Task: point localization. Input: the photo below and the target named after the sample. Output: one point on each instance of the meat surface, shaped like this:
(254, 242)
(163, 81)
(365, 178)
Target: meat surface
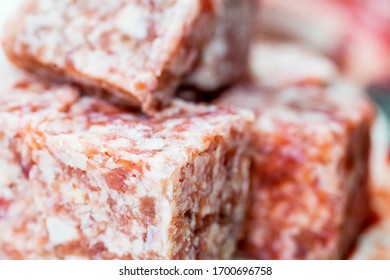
(140, 51)
(309, 190)
(84, 179)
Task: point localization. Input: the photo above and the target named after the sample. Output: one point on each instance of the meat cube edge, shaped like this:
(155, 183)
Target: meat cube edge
(140, 52)
(86, 180)
(309, 189)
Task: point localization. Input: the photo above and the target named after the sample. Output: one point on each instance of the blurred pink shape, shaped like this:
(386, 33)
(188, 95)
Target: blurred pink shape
(355, 33)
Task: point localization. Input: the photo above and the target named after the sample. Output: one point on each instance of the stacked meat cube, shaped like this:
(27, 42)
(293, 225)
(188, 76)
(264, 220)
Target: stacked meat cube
(98, 182)
(140, 51)
(101, 160)
(309, 177)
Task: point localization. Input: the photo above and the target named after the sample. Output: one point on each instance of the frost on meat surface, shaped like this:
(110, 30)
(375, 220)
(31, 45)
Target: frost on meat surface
(138, 50)
(24, 102)
(310, 174)
(87, 180)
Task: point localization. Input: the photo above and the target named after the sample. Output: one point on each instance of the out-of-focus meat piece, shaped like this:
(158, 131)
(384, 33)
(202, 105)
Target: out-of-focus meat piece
(224, 58)
(84, 179)
(280, 64)
(139, 51)
(354, 33)
(309, 190)
(380, 167)
(374, 244)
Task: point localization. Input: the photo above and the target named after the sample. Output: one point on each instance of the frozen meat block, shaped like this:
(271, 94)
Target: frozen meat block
(23, 102)
(309, 193)
(87, 180)
(140, 51)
